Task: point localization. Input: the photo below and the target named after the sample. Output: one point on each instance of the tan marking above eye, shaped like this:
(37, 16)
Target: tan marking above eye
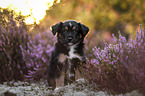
(66, 28)
(80, 36)
(73, 28)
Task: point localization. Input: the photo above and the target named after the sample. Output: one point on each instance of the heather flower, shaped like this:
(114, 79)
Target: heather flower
(114, 38)
(37, 56)
(119, 67)
(12, 65)
(20, 55)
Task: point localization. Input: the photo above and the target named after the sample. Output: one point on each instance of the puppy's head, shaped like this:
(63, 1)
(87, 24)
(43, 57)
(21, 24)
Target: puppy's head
(70, 32)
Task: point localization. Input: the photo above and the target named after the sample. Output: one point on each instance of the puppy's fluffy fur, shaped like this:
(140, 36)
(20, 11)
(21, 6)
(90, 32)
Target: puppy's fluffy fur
(68, 52)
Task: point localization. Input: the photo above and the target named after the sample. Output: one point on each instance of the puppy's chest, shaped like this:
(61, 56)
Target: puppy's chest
(71, 55)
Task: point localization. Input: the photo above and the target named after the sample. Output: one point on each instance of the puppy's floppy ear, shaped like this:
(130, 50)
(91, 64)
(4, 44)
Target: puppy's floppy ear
(84, 29)
(56, 27)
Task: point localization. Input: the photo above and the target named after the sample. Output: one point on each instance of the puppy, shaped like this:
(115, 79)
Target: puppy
(68, 54)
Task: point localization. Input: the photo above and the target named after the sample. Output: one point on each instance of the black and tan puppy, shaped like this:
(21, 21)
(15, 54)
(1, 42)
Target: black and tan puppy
(68, 53)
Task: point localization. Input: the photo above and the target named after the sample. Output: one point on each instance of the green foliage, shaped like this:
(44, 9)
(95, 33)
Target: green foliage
(99, 15)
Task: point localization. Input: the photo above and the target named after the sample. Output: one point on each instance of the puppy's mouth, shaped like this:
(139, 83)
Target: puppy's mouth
(74, 42)
(69, 40)
(70, 44)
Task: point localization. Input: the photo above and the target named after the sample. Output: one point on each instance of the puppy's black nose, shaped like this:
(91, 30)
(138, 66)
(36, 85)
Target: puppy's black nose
(69, 38)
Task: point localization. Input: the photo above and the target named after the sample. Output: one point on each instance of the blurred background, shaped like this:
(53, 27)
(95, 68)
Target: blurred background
(26, 41)
(103, 17)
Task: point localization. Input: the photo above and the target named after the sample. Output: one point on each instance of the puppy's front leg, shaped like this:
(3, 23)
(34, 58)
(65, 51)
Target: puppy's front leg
(71, 72)
(52, 83)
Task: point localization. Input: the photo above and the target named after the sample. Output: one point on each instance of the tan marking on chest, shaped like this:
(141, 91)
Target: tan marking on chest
(62, 58)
